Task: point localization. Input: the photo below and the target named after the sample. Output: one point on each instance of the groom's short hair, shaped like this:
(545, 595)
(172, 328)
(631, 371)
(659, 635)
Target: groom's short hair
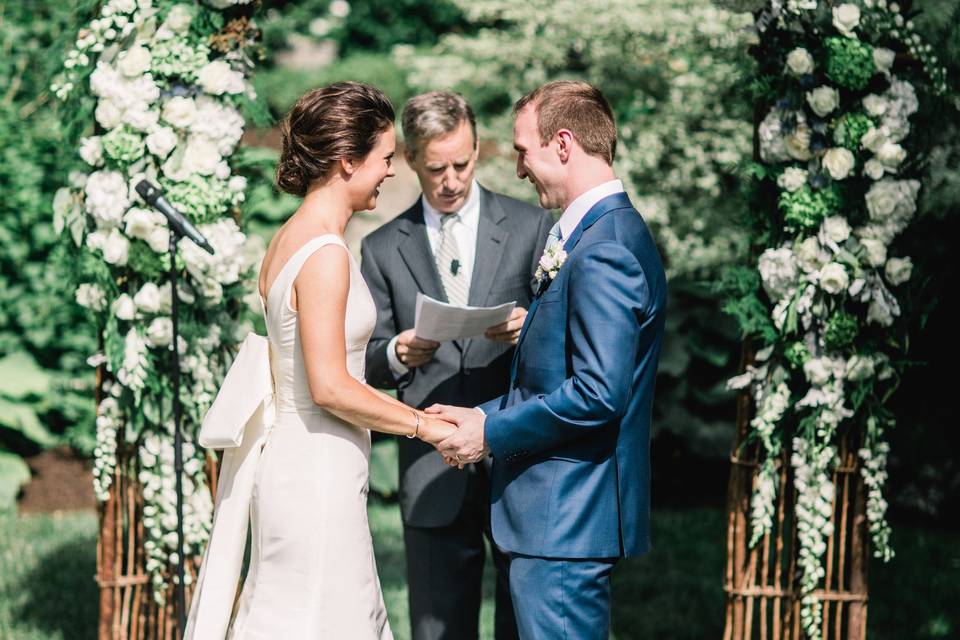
(434, 115)
(579, 107)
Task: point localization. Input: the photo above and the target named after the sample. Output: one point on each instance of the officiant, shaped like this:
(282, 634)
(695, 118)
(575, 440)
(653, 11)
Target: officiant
(466, 245)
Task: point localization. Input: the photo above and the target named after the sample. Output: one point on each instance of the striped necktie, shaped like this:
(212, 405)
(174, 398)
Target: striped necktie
(449, 263)
(553, 238)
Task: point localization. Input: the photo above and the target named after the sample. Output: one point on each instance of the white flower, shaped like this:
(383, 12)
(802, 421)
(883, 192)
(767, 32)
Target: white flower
(124, 307)
(891, 155)
(838, 162)
(874, 169)
(140, 223)
(220, 123)
(834, 278)
(107, 114)
(200, 156)
(792, 179)
(875, 105)
(179, 18)
(141, 119)
(107, 197)
(800, 62)
(836, 228)
(91, 296)
(91, 150)
(135, 61)
(770, 132)
(898, 270)
(550, 262)
(817, 371)
(873, 139)
(823, 100)
(237, 184)
(876, 251)
(810, 255)
(846, 18)
(160, 332)
(859, 368)
(797, 143)
(116, 248)
(161, 141)
(159, 239)
(778, 271)
(179, 111)
(882, 199)
(883, 59)
(148, 298)
(339, 8)
(217, 78)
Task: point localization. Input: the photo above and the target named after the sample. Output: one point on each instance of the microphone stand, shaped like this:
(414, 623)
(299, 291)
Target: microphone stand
(177, 434)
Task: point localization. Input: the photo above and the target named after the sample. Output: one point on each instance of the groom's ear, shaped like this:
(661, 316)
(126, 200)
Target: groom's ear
(565, 141)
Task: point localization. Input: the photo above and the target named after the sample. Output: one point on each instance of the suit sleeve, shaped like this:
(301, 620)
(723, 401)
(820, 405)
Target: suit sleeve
(608, 298)
(378, 372)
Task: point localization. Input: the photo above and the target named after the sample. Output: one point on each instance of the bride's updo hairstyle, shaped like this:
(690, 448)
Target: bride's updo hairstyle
(326, 125)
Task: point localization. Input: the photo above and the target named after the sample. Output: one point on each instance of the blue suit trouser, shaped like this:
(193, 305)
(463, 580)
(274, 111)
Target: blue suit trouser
(561, 599)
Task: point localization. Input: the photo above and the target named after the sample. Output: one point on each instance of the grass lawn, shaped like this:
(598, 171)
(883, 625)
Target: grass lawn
(673, 593)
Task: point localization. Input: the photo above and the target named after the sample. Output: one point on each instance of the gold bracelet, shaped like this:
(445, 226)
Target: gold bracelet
(416, 430)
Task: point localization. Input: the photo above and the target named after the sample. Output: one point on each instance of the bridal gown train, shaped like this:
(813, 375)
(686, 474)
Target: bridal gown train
(312, 570)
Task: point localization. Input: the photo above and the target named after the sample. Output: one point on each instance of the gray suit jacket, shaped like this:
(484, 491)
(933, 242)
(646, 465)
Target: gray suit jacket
(397, 263)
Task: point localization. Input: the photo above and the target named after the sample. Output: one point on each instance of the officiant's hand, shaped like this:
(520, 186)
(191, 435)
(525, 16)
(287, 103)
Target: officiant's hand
(413, 351)
(467, 444)
(508, 331)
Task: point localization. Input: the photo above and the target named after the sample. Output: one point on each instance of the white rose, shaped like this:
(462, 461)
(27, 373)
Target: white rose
(882, 199)
(148, 298)
(179, 18)
(891, 155)
(179, 111)
(792, 179)
(823, 100)
(135, 61)
(846, 18)
(161, 141)
(875, 105)
(880, 312)
(859, 368)
(838, 162)
(778, 271)
(91, 296)
(160, 332)
(797, 143)
(800, 62)
(141, 119)
(139, 222)
(836, 228)
(874, 169)
(339, 8)
(834, 278)
(816, 371)
(107, 197)
(159, 239)
(217, 78)
(898, 270)
(108, 115)
(91, 151)
(770, 132)
(876, 251)
(237, 184)
(883, 59)
(166, 300)
(125, 308)
(116, 249)
(873, 139)
(200, 156)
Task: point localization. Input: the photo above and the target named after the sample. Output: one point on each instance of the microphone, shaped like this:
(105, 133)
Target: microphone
(152, 195)
(454, 266)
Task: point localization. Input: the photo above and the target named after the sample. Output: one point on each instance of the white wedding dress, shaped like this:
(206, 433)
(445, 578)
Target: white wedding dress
(312, 570)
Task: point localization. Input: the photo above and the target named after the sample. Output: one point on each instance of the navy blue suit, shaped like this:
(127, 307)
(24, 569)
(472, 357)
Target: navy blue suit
(571, 438)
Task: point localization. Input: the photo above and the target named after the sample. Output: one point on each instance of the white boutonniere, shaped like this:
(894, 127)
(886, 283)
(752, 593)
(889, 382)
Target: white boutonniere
(550, 262)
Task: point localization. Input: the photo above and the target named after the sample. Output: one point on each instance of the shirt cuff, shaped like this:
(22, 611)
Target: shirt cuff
(398, 368)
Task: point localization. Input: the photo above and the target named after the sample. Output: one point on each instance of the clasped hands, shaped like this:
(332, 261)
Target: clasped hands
(463, 442)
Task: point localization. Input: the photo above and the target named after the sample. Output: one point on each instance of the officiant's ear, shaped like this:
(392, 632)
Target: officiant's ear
(565, 141)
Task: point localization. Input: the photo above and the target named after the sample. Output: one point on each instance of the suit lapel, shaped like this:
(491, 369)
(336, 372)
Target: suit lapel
(415, 250)
(491, 240)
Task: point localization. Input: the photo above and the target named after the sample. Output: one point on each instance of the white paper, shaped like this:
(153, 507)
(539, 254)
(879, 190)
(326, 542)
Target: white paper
(436, 320)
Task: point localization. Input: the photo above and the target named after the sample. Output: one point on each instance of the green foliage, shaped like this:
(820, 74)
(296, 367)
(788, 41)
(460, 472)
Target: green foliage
(850, 129)
(842, 330)
(849, 62)
(806, 208)
(740, 289)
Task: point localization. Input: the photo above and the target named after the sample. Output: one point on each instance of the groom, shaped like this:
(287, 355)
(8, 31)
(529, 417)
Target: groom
(570, 438)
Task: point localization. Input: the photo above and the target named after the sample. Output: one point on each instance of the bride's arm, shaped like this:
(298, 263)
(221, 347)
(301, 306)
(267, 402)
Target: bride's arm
(322, 287)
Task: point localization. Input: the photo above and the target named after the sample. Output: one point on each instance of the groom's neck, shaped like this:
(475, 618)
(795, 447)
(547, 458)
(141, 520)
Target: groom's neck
(588, 173)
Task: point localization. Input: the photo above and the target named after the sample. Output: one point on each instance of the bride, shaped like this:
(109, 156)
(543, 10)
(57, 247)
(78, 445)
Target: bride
(312, 570)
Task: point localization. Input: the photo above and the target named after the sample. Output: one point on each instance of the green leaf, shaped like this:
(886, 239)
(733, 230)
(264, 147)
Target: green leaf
(22, 418)
(21, 377)
(14, 473)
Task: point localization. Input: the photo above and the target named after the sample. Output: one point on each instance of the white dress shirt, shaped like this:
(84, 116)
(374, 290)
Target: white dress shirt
(465, 232)
(577, 209)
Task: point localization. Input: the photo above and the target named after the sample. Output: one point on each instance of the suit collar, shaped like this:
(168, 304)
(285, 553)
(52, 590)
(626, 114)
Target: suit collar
(597, 211)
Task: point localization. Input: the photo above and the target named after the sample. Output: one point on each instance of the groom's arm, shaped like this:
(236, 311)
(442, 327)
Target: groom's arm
(608, 299)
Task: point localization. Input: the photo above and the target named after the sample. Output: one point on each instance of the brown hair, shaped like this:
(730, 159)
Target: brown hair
(579, 107)
(341, 120)
(433, 115)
